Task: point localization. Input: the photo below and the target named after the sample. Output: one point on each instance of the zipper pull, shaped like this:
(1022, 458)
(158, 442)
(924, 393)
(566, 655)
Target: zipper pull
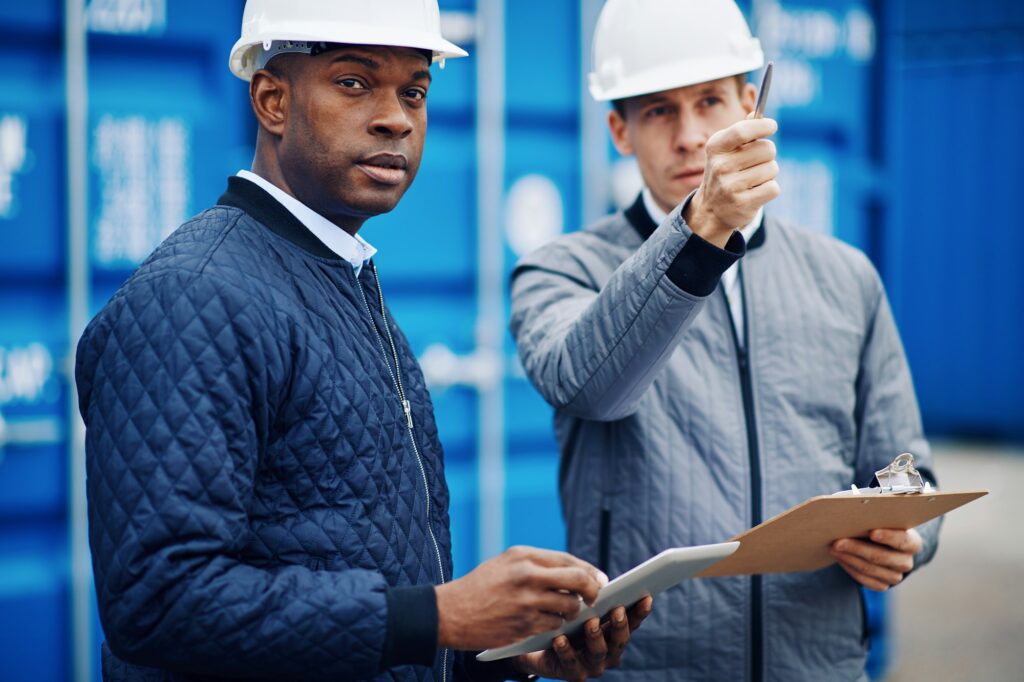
(408, 412)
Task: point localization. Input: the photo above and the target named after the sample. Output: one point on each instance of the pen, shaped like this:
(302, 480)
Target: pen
(762, 95)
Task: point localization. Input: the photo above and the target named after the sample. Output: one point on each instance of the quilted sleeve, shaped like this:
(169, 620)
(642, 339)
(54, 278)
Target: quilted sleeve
(171, 377)
(593, 354)
(888, 418)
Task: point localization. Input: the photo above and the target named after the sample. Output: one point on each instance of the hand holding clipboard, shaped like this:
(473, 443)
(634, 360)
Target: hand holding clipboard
(799, 539)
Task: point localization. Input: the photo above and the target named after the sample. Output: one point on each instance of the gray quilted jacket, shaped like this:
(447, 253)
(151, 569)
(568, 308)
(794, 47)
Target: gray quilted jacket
(672, 434)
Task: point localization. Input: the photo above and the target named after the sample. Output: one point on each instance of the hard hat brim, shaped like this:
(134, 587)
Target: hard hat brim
(241, 62)
(677, 75)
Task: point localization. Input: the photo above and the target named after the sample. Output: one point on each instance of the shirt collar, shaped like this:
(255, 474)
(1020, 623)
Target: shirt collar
(658, 216)
(353, 249)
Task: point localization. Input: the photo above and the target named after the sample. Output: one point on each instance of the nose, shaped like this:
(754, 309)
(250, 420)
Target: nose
(391, 119)
(691, 133)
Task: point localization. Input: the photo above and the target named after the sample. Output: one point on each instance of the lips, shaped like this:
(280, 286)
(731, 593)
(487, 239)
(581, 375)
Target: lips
(689, 173)
(385, 168)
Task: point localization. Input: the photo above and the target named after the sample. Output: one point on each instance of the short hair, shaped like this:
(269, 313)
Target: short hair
(620, 104)
(282, 65)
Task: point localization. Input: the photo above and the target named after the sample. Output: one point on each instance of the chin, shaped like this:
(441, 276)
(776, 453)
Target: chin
(683, 193)
(675, 198)
(375, 203)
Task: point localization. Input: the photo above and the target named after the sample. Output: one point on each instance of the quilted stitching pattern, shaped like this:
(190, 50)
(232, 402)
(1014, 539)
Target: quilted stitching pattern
(252, 488)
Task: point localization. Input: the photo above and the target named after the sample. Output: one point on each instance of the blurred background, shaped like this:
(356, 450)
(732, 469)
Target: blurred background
(901, 133)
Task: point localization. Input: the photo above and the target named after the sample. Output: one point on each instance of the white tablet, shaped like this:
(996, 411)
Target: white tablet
(658, 573)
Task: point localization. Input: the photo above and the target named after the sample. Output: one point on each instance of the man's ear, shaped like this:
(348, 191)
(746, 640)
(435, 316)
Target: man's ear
(270, 96)
(748, 97)
(620, 133)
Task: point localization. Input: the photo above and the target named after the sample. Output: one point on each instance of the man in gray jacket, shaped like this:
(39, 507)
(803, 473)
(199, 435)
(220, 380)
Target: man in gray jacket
(696, 394)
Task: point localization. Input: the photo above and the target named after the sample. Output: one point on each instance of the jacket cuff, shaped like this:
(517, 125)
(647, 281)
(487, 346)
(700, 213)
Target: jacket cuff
(412, 627)
(699, 265)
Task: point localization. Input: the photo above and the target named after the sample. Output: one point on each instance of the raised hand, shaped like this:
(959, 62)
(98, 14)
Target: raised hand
(739, 178)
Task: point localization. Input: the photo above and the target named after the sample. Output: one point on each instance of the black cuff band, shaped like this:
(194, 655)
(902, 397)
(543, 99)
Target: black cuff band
(412, 627)
(699, 265)
(495, 671)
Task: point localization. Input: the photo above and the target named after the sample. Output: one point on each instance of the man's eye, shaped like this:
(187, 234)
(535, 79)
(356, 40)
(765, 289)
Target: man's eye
(416, 94)
(711, 101)
(352, 83)
(656, 111)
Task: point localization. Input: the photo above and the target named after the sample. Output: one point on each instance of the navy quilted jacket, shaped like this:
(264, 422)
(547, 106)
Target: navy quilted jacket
(257, 508)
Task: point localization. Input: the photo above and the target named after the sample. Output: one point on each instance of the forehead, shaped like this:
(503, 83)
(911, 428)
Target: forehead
(689, 92)
(379, 55)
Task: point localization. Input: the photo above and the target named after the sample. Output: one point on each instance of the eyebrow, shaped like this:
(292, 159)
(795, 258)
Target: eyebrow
(652, 99)
(365, 61)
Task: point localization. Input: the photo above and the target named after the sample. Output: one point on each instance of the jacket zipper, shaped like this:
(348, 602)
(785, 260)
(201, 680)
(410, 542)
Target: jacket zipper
(747, 389)
(604, 537)
(396, 380)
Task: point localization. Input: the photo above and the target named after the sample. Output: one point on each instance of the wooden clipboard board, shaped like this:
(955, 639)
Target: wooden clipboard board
(798, 539)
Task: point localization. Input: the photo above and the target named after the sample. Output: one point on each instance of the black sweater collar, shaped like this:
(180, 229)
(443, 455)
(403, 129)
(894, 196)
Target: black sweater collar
(269, 212)
(642, 222)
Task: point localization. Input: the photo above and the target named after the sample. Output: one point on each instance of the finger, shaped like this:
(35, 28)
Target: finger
(755, 176)
(883, 574)
(596, 648)
(579, 580)
(887, 573)
(752, 154)
(541, 621)
(550, 557)
(564, 605)
(537, 661)
(875, 554)
(867, 581)
(617, 635)
(639, 611)
(740, 133)
(902, 540)
(567, 658)
(554, 559)
(760, 195)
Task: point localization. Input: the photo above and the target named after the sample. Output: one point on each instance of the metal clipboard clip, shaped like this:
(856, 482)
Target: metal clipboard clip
(899, 478)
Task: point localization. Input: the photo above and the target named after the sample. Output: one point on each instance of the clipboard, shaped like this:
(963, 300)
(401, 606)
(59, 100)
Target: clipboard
(657, 574)
(798, 539)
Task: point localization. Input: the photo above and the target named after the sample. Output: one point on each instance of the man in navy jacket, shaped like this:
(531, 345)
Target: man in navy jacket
(266, 487)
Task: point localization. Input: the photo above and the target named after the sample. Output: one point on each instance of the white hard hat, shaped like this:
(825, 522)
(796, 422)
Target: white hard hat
(645, 46)
(271, 27)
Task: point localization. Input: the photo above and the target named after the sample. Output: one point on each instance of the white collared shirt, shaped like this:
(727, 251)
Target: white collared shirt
(730, 278)
(353, 249)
